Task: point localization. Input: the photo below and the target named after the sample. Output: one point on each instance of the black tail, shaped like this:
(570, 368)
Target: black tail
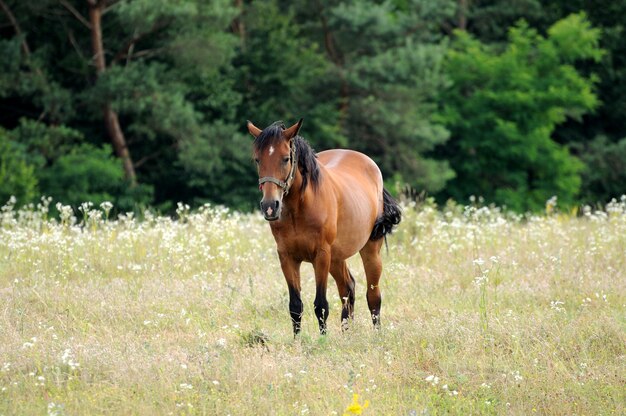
(392, 215)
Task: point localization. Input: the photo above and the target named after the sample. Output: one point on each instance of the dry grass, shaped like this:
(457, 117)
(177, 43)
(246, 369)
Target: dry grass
(483, 313)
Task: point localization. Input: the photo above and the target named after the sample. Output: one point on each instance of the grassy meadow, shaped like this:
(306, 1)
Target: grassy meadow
(484, 312)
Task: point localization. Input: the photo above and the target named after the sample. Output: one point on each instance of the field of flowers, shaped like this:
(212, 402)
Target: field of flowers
(484, 312)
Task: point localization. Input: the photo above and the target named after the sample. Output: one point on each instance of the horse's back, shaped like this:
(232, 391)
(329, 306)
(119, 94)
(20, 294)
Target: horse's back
(352, 166)
(358, 187)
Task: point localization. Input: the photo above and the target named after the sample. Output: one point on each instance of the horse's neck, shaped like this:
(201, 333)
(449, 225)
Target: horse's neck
(297, 200)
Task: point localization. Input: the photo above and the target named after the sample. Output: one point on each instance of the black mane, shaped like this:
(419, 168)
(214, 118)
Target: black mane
(307, 159)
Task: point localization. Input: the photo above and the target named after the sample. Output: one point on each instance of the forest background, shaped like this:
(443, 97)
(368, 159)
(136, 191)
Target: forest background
(144, 102)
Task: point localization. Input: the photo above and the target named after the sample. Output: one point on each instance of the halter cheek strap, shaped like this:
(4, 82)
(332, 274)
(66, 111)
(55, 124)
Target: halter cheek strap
(286, 184)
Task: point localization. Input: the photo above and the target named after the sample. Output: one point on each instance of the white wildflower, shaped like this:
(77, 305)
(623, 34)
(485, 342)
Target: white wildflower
(432, 379)
(68, 359)
(556, 305)
(106, 207)
(55, 409)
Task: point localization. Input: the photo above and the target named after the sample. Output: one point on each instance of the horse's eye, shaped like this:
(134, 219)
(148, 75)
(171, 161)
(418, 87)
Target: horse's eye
(286, 160)
(256, 161)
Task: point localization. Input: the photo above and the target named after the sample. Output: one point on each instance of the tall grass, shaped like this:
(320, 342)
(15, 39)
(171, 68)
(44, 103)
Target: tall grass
(484, 312)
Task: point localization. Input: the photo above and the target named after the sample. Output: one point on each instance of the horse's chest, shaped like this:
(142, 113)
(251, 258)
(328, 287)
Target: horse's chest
(301, 243)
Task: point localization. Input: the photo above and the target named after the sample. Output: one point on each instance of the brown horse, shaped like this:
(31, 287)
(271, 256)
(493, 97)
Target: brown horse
(323, 209)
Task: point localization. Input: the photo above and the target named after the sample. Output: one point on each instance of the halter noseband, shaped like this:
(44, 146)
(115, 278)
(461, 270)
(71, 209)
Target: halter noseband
(286, 184)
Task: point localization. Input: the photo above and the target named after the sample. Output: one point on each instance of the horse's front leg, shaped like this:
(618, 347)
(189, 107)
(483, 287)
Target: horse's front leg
(291, 270)
(321, 265)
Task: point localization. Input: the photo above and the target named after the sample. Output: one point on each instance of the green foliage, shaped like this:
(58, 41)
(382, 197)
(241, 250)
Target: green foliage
(575, 38)
(86, 173)
(387, 84)
(17, 177)
(9, 65)
(610, 18)
(44, 144)
(25, 78)
(219, 169)
(177, 103)
(604, 176)
(490, 20)
(373, 75)
(503, 108)
(54, 160)
(285, 76)
(149, 95)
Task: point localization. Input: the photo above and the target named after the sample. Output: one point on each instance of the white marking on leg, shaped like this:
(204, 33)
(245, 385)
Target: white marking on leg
(271, 150)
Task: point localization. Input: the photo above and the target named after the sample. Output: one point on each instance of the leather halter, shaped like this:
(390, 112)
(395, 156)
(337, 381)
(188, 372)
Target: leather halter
(286, 184)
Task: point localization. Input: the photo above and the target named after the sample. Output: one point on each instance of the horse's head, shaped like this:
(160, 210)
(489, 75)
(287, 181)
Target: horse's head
(274, 154)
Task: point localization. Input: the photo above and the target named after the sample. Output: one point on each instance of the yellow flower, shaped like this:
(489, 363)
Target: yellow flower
(355, 408)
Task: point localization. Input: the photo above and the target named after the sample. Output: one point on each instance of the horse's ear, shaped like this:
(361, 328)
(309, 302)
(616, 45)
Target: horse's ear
(254, 130)
(293, 130)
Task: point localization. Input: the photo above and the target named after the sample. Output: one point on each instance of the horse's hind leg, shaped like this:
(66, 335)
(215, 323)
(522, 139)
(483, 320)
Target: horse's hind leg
(373, 265)
(345, 285)
(321, 266)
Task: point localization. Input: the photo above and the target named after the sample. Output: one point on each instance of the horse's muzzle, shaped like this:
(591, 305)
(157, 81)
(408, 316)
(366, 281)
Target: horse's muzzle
(271, 209)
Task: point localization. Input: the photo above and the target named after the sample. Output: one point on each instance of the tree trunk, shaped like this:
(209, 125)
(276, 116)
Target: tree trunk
(111, 119)
(16, 27)
(25, 47)
(238, 25)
